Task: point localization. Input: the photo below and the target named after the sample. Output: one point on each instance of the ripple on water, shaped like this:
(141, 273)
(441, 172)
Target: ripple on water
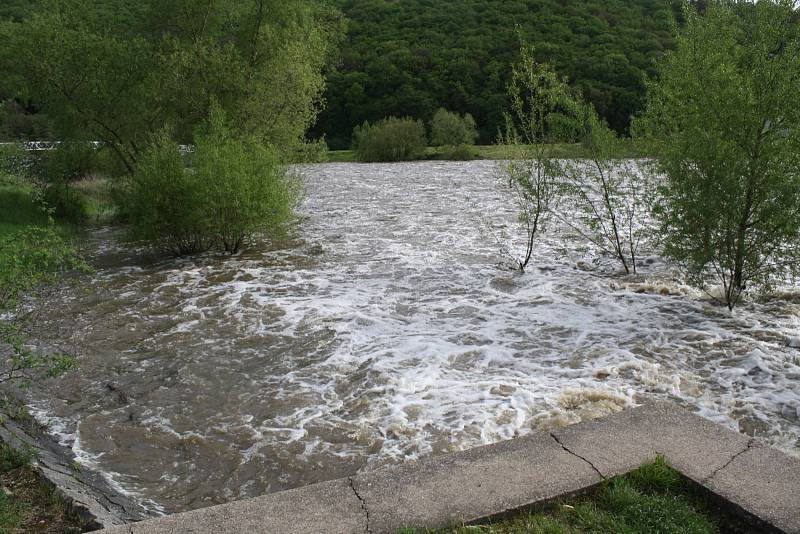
(390, 329)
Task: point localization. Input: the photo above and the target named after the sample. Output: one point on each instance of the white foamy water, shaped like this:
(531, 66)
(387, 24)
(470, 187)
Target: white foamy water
(389, 329)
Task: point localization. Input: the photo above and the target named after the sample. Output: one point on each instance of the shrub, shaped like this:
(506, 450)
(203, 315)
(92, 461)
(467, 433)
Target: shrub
(55, 171)
(67, 163)
(458, 153)
(165, 203)
(232, 189)
(390, 139)
(722, 121)
(29, 259)
(247, 189)
(450, 129)
(64, 202)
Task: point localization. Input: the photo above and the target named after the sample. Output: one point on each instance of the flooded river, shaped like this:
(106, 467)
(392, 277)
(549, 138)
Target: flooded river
(388, 329)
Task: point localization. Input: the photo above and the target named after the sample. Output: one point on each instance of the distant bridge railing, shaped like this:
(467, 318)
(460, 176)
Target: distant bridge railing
(39, 146)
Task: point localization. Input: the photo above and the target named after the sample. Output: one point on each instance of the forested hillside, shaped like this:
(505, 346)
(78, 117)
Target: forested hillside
(410, 57)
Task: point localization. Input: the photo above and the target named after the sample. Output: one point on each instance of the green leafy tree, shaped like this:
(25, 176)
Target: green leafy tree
(231, 189)
(608, 198)
(413, 57)
(391, 139)
(724, 121)
(30, 260)
(117, 71)
(544, 111)
(452, 129)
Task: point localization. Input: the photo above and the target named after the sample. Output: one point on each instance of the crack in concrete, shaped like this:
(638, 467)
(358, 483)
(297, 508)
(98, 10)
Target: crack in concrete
(750, 443)
(361, 500)
(602, 476)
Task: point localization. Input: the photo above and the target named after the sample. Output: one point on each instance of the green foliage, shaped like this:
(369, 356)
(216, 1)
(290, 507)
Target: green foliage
(68, 162)
(608, 198)
(544, 111)
(451, 129)
(723, 124)
(164, 203)
(458, 153)
(415, 56)
(11, 458)
(391, 139)
(29, 260)
(117, 71)
(55, 171)
(233, 189)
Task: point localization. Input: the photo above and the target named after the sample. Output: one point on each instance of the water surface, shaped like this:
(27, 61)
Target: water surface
(389, 328)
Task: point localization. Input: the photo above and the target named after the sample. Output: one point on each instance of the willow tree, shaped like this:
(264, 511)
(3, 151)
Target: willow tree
(544, 111)
(724, 121)
(116, 71)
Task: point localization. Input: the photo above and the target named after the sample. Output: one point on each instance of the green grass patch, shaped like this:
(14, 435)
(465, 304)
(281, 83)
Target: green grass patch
(28, 503)
(654, 499)
(491, 152)
(18, 208)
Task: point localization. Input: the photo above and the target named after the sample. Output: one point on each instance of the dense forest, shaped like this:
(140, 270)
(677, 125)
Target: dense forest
(412, 57)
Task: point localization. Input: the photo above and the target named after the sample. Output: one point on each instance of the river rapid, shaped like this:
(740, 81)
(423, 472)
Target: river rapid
(389, 328)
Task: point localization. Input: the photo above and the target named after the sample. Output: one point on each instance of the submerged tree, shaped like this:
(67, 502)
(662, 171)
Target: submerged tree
(724, 124)
(610, 196)
(544, 111)
(232, 188)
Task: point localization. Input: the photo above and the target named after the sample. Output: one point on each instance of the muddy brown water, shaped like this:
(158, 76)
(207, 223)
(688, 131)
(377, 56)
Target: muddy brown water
(387, 329)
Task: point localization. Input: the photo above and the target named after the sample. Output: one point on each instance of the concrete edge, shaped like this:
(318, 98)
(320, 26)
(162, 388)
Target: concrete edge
(495, 480)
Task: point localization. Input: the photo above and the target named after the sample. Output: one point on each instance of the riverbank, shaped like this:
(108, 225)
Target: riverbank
(653, 498)
(488, 152)
(43, 481)
(27, 502)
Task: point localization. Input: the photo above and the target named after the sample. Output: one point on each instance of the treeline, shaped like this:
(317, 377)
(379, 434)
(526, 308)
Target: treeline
(413, 57)
(122, 85)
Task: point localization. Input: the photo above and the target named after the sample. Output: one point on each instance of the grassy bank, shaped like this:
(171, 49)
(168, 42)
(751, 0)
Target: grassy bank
(491, 152)
(27, 503)
(654, 498)
(18, 208)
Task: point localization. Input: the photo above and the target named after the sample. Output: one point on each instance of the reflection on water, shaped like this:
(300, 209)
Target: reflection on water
(385, 331)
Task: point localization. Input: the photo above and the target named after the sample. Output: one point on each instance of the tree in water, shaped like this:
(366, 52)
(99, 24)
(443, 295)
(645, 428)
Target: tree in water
(723, 121)
(544, 112)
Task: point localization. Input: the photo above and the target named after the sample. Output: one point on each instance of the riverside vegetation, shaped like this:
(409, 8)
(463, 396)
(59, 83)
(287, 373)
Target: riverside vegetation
(189, 115)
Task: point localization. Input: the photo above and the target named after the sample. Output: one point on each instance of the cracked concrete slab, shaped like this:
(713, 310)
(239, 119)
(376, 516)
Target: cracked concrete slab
(465, 486)
(622, 442)
(765, 482)
(330, 507)
(443, 490)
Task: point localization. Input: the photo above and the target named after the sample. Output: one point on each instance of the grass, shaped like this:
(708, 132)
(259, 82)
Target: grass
(27, 503)
(493, 152)
(18, 208)
(654, 499)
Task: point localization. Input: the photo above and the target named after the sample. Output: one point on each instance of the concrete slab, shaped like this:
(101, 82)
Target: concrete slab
(330, 507)
(449, 489)
(465, 486)
(766, 483)
(622, 442)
